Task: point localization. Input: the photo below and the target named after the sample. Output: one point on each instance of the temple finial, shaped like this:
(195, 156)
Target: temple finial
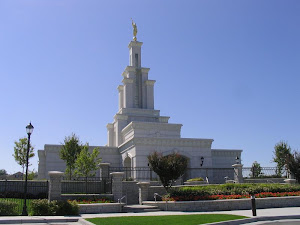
(134, 29)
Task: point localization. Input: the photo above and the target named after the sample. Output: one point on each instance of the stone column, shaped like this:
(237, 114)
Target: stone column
(110, 134)
(104, 170)
(128, 93)
(143, 191)
(238, 173)
(121, 96)
(117, 187)
(55, 185)
(150, 93)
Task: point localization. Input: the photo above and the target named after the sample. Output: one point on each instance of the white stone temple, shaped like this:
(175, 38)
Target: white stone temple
(138, 129)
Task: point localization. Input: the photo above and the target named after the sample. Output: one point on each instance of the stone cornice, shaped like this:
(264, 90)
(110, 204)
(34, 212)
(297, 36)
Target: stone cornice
(163, 119)
(145, 70)
(56, 148)
(127, 81)
(150, 125)
(120, 88)
(173, 142)
(110, 126)
(120, 117)
(139, 112)
(135, 43)
(132, 69)
(150, 82)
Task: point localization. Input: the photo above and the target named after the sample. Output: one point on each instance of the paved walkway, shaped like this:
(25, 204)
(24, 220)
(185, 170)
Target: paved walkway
(61, 220)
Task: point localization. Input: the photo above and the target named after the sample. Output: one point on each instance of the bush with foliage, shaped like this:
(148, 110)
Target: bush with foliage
(169, 168)
(188, 193)
(196, 179)
(293, 165)
(282, 151)
(42, 207)
(8, 208)
(256, 170)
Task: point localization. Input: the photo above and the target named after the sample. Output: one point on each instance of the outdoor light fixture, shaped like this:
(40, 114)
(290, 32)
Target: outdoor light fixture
(29, 130)
(202, 160)
(237, 160)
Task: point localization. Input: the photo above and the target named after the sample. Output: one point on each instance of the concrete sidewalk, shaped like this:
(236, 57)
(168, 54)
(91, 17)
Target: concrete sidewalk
(291, 212)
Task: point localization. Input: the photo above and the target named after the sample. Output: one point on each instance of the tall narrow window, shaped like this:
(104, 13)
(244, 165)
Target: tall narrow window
(136, 60)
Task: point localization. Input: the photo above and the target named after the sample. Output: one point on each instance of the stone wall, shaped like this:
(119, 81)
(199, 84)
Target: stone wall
(131, 190)
(49, 159)
(101, 208)
(229, 204)
(265, 180)
(156, 189)
(86, 197)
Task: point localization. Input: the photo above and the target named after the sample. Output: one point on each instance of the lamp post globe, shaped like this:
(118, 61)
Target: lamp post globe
(29, 130)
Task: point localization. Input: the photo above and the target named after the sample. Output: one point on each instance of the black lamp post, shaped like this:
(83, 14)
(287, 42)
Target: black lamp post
(237, 160)
(29, 130)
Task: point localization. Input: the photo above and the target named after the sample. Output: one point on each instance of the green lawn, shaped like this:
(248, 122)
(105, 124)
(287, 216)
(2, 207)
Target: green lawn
(163, 220)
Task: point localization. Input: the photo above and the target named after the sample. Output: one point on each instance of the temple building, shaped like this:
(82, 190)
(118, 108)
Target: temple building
(138, 129)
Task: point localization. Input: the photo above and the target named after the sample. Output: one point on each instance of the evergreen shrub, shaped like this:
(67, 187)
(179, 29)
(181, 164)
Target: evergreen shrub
(8, 208)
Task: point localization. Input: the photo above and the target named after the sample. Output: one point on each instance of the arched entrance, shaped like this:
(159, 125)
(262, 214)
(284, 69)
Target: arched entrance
(127, 168)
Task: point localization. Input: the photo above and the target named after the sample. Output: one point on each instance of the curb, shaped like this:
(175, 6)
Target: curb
(255, 219)
(32, 221)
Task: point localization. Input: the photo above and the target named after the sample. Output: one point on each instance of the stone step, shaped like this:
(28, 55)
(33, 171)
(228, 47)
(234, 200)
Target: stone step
(140, 208)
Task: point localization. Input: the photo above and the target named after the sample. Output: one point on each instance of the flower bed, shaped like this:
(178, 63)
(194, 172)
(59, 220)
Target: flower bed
(232, 191)
(102, 200)
(218, 197)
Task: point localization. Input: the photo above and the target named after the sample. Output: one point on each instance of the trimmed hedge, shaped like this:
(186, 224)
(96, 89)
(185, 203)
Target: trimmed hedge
(8, 208)
(231, 189)
(42, 207)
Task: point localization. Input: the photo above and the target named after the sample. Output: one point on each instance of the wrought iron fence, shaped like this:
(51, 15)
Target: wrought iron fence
(263, 172)
(13, 191)
(86, 185)
(136, 173)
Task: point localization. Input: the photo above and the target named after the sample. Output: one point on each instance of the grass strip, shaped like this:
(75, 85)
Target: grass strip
(163, 220)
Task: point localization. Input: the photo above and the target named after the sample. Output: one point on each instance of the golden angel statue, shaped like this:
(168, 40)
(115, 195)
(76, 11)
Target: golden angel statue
(134, 30)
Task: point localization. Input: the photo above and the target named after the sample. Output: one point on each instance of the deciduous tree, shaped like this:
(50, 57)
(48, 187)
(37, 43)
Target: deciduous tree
(256, 169)
(282, 151)
(69, 153)
(86, 163)
(169, 168)
(20, 152)
(3, 172)
(293, 165)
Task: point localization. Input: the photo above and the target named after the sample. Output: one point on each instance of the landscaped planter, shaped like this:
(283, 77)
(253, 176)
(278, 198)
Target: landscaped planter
(195, 182)
(100, 208)
(228, 204)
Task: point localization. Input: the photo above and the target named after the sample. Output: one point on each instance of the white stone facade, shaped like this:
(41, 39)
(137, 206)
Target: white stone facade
(138, 129)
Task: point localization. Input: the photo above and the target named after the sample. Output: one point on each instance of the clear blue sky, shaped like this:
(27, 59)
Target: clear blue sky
(227, 70)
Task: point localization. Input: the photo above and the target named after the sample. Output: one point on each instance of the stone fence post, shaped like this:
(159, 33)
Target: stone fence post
(104, 170)
(143, 191)
(238, 173)
(55, 185)
(117, 187)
